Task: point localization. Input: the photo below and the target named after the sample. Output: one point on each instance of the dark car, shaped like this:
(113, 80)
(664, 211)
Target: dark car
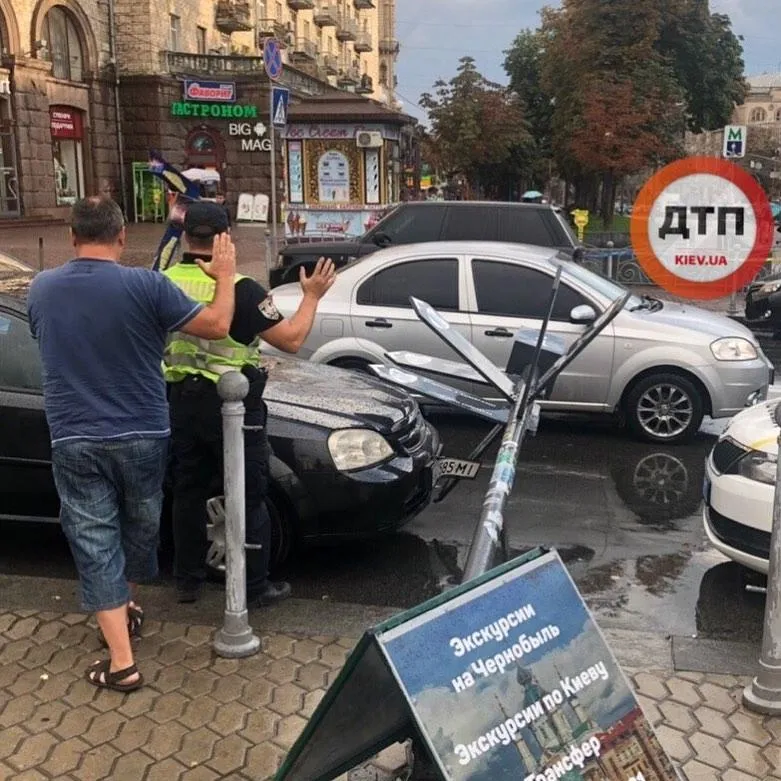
(422, 221)
(352, 456)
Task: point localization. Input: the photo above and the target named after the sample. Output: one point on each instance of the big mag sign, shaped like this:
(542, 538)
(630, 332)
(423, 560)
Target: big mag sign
(702, 228)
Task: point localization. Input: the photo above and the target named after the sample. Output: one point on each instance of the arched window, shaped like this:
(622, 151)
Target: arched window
(758, 115)
(384, 74)
(63, 44)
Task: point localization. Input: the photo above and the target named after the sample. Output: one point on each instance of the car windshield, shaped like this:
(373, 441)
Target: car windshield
(605, 287)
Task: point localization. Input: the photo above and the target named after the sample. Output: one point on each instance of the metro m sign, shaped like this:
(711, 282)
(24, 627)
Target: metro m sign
(210, 91)
(702, 228)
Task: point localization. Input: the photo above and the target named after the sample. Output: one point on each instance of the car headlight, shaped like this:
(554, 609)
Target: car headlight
(733, 348)
(358, 448)
(758, 466)
(770, 287)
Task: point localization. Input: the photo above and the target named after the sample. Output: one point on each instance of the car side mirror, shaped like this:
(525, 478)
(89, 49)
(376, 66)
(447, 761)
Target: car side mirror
(381, 239)
(582, 315)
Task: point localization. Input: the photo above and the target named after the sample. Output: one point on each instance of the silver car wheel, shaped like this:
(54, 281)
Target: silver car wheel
(661, 479)
(664, 411)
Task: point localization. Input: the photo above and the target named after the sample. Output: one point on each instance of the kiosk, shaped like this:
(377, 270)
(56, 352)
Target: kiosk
(343, 165)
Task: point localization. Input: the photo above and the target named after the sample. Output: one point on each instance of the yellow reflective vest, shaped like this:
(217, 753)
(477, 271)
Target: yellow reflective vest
(189, 355)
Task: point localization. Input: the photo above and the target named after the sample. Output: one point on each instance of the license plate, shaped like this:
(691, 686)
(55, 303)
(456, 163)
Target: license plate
(455, 468)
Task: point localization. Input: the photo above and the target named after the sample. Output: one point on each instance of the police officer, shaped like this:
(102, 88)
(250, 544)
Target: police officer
(192, 368)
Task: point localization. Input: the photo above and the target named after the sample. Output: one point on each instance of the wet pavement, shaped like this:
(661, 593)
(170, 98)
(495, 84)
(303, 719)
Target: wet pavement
(624, 515)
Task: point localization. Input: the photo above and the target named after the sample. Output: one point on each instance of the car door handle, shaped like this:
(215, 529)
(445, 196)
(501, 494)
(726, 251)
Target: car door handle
(379, 323)
(500, 332)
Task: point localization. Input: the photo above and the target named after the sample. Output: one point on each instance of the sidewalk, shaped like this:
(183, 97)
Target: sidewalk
(201, 718)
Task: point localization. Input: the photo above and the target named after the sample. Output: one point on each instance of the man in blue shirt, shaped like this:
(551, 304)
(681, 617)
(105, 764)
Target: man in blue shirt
(102, 330)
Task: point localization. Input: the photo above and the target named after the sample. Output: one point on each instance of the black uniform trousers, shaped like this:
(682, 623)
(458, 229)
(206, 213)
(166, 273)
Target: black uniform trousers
(197, 472)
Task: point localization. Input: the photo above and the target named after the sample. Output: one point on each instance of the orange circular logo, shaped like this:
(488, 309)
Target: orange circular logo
(702, 228)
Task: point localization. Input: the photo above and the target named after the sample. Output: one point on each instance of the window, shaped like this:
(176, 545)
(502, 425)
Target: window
(778, 115)
(408, 226)
(511, 290)
(67, 132)
(530, 226)
(20, 362)
(63, 45)
(175, 32)
(758, 115)
(307, 31)
(472, 223)
(432, 280)
(200, 37)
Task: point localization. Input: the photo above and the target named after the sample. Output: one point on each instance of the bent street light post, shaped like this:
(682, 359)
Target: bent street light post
(235, 639)
(763, 695)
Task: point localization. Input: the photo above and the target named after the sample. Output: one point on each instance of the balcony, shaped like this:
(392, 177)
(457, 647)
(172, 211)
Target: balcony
(271, 28)
(326, 16)
(303, 50)
(363, 42)
(347, 29)
(233, 16)
(331, 64)
(362, 5)
(213, 64)
(349, 76)
(389, 46)
(366, 85)
(300, 5)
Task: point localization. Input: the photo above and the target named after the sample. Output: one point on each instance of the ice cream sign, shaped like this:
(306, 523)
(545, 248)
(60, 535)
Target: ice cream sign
(210, 91)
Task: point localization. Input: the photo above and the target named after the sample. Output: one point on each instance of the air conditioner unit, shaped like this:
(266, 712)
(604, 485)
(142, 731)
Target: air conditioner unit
(368, 140)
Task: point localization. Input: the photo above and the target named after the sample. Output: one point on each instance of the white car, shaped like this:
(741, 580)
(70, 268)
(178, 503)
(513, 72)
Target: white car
(740, 478)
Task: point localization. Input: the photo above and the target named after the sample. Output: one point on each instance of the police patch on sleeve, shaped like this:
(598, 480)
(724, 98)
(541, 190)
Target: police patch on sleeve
(269, 310)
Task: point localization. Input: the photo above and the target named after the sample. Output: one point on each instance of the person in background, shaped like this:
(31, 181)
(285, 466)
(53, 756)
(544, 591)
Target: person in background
(192, 369)
(220, 199)
(101, 330)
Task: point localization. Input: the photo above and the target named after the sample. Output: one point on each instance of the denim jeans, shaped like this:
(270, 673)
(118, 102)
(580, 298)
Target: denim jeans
(111, 496)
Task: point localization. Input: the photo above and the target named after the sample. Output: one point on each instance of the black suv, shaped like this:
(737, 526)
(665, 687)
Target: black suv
(420, 221)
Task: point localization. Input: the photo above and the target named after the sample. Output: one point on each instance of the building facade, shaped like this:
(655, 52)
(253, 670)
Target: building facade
(763, 103)
(88, 87)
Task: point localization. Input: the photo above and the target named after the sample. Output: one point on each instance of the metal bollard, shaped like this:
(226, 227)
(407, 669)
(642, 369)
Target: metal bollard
(236, 638)
(40, 254)
(763, 695)
(610, 269)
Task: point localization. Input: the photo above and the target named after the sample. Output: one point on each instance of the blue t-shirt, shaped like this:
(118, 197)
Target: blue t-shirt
(101, 329)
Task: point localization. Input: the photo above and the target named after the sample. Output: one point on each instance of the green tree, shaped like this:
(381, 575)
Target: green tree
(477, 126)
(707, 59)
(523, 64)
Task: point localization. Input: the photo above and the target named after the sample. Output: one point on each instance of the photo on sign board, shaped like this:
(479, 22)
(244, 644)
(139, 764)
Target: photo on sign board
(569, 706)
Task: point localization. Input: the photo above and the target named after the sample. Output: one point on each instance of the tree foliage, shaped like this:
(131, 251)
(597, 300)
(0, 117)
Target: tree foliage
(477, 126)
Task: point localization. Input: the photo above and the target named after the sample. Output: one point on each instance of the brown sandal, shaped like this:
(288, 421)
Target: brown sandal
(100, 675)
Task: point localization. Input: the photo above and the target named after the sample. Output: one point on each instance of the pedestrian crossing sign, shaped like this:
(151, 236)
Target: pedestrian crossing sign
(280, 97)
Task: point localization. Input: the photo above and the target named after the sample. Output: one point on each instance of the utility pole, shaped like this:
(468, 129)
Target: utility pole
(112, 37)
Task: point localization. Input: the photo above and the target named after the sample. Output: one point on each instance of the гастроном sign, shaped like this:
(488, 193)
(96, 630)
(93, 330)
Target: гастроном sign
(702, 228)
(213, 110)
(506, 678)
(210, 91)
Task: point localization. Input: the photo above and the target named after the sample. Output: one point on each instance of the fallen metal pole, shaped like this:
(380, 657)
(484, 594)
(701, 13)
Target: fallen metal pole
(236, 638)
(763, 695)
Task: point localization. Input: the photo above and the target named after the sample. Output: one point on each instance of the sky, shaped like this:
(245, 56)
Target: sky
(434, 34)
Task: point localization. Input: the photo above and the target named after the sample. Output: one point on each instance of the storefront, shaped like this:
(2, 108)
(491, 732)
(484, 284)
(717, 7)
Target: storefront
(342, 163)
(67, 131)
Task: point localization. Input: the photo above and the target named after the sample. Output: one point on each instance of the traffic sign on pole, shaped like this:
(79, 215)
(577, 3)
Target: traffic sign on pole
(702, 228)
(734, 141)
(272, 58)
(280, 98)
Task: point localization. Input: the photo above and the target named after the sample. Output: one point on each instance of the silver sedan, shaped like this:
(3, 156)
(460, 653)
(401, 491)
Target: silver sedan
(661, 365)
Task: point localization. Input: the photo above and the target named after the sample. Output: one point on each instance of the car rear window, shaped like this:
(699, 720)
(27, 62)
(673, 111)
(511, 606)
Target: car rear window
(472, 223)
(531, 226)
